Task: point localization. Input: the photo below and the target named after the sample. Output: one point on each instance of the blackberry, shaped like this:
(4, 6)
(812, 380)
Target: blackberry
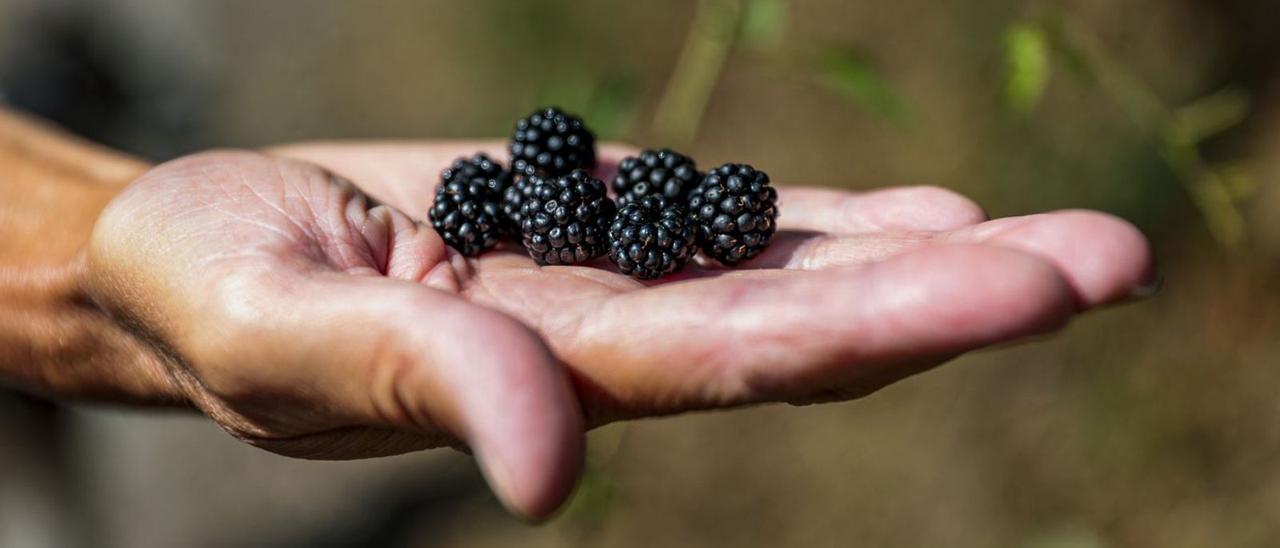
(467, 215)
(553, 143)
(663, 173)
(650, 239)
(565, 220)
(735, 208)
(478, 166)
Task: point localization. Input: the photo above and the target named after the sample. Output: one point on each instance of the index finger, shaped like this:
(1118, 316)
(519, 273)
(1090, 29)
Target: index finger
(785, 335)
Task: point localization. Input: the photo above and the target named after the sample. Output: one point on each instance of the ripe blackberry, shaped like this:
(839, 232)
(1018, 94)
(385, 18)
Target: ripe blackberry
(650, 239)
(565, 220)
(467, 215)
(735, 208)
(663, 173)
(553, 143)
(478, 166)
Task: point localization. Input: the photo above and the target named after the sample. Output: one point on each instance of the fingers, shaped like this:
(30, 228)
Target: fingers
(740, 339)
(906, 208)
(395, 354)
(401, 174)
(405, 174)
(1104, 258)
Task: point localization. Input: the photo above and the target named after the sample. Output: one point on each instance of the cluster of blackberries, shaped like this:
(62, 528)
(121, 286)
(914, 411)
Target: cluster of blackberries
(665, 211)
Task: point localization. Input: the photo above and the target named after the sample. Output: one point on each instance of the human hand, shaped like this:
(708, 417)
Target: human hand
(309, 322)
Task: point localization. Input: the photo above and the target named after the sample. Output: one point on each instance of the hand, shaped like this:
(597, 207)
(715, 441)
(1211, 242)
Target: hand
(310, 322)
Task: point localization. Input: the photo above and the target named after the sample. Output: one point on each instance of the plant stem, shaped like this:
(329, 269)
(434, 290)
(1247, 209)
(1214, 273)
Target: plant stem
(706, 48)
(1207, 188)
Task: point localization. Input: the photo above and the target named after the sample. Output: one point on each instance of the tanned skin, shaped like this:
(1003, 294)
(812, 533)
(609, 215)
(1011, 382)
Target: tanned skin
(54, 340)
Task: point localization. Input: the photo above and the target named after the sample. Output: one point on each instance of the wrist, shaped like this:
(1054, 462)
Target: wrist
(53, 340)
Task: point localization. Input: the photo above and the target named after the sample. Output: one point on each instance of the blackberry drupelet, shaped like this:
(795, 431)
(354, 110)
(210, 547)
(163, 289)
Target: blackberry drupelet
(553, 143)
(513, 198)
(663, 173)
(651, 238)
(478, 166)
(565, 220)
(467, 215)
(736, 209)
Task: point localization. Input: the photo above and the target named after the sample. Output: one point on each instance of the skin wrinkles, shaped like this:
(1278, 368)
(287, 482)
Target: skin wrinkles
(373, 235)
(809, 251)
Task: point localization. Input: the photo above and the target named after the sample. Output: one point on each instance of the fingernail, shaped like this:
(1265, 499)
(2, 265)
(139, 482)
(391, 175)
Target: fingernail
(1149, 288)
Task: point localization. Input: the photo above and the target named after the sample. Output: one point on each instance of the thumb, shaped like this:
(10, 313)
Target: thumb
(394, 354)
(435, 360)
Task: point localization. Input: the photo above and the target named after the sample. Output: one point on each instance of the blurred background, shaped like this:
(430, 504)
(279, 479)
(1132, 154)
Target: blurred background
(1151, 424)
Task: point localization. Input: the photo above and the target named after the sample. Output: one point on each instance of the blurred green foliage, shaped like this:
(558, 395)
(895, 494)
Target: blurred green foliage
(1177, 132)
(764, 24)
(1210, 116)
(1027, 53)
(611, 101)
(759, 27)
(596, 497)
(851, 74)
(713, 33)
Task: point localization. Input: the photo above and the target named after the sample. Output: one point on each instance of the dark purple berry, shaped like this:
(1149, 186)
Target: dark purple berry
(564, 220)
(467, 216)
(552, 142)
(736, 210)
(663, 173)
(478, 166)
(651, 238)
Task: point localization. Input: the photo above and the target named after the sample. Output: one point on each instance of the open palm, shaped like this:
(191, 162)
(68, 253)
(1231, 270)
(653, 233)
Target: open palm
(310, 321)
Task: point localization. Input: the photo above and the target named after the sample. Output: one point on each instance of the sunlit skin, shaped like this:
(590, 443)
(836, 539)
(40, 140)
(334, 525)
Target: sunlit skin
(296, 298)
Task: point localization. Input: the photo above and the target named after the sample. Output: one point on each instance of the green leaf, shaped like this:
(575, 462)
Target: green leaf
(1027, 54)
(851, 74)
(1211, 115)
(764, 23)
(1239, 180)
